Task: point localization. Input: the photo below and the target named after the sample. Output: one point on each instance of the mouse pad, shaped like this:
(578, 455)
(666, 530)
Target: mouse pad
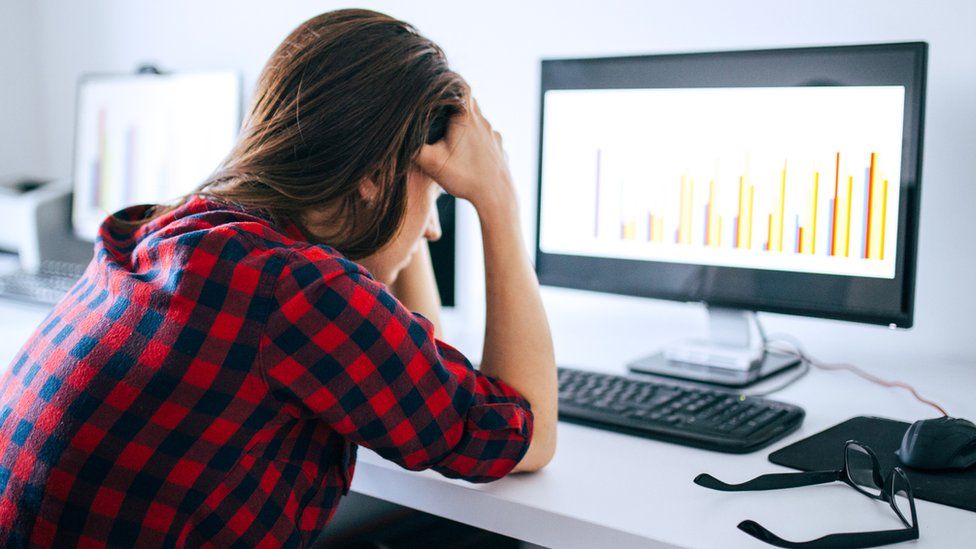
(825, 451)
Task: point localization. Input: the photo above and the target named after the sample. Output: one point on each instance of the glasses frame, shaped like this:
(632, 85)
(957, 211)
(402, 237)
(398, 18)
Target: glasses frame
(888, 488)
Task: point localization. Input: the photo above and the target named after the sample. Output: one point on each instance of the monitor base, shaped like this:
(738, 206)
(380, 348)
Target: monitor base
(770, 364)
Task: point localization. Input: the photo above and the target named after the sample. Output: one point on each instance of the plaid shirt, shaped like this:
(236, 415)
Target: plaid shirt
(208, 381)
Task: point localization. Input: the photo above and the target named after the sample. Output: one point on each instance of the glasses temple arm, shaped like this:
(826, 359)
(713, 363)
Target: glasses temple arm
(775, 481)
(832, 541)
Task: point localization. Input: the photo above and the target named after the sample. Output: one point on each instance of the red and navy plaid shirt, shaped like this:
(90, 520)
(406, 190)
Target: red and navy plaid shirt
(208, 381)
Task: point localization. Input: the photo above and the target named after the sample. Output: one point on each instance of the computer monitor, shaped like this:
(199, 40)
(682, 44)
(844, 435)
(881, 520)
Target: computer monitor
(148, 139)
(775, 180)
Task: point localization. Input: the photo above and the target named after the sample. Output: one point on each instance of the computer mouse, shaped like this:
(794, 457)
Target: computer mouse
(941, 443)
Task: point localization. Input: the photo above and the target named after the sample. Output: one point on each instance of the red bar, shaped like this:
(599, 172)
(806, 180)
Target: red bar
(833, 230)
(867, 236)
(708, 224)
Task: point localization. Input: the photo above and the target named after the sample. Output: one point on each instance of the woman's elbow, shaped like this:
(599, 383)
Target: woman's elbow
(541, 451)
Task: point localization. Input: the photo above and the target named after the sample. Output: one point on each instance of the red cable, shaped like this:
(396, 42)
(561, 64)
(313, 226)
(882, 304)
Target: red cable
(879, 381)
(857, 371)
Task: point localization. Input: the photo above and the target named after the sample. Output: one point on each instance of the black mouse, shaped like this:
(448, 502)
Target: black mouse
(941, 443)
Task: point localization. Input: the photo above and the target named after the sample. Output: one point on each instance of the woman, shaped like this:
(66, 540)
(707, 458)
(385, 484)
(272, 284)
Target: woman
(210, 377)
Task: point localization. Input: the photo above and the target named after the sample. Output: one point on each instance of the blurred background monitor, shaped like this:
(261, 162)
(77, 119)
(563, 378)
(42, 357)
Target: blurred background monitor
(148, 138)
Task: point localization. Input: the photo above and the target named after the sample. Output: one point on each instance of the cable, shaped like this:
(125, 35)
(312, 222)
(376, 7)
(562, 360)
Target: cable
(797, 352)
(811, 361)
(804, 370)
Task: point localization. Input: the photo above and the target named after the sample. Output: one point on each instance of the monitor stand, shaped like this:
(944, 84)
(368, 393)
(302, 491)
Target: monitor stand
(734, 353)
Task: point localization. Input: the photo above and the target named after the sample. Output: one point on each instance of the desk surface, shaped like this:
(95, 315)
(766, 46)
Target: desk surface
(609, 490)
(604, 489)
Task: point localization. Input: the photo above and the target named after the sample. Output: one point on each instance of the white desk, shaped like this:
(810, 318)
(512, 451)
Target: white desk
(609, 490)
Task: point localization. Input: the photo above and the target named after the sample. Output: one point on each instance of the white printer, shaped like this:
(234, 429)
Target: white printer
(35, 222)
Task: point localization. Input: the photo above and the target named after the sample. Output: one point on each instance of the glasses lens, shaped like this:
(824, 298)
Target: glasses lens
(860, 469)
(902, 503)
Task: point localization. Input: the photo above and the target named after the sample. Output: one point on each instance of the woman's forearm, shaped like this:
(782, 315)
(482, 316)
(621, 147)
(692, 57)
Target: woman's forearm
(470, 163)
(518, 344)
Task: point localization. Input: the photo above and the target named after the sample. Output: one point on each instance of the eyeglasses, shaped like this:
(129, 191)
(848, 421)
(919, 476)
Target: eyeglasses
(861, 471)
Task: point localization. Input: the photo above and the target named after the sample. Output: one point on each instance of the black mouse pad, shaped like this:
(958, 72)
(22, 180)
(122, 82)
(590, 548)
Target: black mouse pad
(825, 450)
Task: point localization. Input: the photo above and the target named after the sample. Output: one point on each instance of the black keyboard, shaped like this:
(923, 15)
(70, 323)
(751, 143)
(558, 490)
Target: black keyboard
(704, 418)
(47, 286)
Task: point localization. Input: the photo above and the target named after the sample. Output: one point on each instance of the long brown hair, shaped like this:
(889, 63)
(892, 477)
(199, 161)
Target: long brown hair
(350, 95)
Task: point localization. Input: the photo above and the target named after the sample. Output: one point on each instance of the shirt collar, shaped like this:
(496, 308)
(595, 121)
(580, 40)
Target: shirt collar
(286, 226)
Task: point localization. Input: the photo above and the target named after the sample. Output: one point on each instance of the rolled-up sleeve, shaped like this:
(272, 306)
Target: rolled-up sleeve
(340, 347)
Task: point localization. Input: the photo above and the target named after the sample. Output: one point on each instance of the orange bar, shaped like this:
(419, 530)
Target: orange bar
(751, 202)
(833, 229)
(769, 239)
(884, 214)
(628, 230)
(708, 215)
(799, 241)
(847, 238)
(740, 226)
(782, 204)
(813, 214)
(710, 222)
(867, 235)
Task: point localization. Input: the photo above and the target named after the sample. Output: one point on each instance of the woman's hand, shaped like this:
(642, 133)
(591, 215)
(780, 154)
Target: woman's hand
(469, 162)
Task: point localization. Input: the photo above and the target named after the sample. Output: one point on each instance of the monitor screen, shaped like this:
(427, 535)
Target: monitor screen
(781, 180)
(148, 139)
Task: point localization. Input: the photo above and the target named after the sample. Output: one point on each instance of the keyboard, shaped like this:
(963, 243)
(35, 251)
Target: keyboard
(712, 419)
(47, 286)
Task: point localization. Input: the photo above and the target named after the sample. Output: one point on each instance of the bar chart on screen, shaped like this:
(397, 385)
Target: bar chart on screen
(800, 179)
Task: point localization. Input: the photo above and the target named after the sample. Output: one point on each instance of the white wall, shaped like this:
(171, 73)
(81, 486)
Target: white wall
(497, 45)
(20, 131)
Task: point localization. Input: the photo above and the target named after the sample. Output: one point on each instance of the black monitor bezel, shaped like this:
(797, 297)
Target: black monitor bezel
(859, 299)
